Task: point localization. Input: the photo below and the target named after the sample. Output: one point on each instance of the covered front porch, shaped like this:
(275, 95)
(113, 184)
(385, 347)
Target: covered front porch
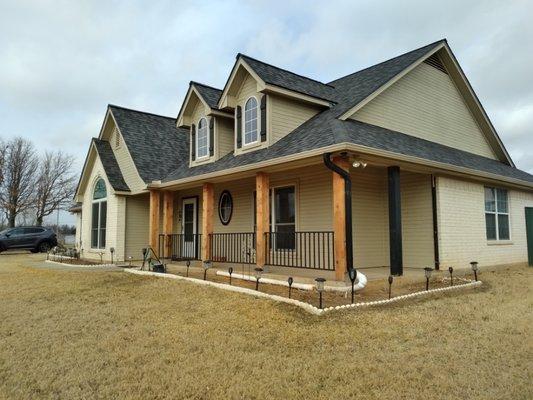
(291, 220)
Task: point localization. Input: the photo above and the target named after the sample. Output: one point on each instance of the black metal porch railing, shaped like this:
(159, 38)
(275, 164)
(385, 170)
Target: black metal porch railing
(180, 246)
(233, 247)
(313, 250)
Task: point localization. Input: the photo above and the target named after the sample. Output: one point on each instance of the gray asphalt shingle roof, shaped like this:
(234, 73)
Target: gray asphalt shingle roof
(161, 151)
(155, 144)
(110, 164)
(210, 94)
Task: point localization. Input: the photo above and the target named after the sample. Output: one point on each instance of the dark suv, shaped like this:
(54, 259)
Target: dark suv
(34, 238)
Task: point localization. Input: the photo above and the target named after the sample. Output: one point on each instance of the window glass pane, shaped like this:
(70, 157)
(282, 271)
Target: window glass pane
(250, 121)
(202, 138)
(95, 215)
(285, 211)
(490, 203)
(102, 238)
(103, 214)
(99, 190)
(501, 196)
(490, 220)
(225, 207)
(94, 238)
(503, 227)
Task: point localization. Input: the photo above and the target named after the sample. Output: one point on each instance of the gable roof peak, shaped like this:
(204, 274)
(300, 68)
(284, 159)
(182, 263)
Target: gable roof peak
(111, 106)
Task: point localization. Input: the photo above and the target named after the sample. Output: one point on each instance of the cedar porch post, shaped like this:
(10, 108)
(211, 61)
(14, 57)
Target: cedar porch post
(168, 220)
(155, 199)
(262, 188)
(339, 219)
(395, 222)
(208, 203)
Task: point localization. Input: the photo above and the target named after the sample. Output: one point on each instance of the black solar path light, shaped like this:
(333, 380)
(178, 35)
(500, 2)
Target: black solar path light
(129, 261)
(320, 287)
(290, 281)
(207, 265)
(258, 273)
(474, 266)
(451, 275)
(112, 251)
(352, 273)
(230, 271)
(427, 273)
(390, 285)
(188, 264)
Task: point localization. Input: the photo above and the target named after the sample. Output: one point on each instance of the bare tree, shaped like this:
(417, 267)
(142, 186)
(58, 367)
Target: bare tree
(55, 185)
(17, 188)
(3, 149)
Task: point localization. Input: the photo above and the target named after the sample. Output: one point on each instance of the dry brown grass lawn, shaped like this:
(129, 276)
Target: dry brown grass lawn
(71, 334)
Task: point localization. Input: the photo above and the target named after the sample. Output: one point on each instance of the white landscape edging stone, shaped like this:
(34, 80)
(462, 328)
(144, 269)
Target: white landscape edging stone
(306, 306)
(80, 265)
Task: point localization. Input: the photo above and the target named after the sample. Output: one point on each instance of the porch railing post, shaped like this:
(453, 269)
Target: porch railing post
(155, 205)
(262, 187)
(168, 222)
(208, 203)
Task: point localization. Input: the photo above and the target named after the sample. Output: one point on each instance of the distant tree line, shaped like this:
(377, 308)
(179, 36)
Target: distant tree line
(33, 185)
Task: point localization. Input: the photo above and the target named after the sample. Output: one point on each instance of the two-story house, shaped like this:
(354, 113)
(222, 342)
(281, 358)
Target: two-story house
(395, 165)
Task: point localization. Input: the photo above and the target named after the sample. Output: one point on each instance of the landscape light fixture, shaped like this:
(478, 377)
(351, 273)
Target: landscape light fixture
(451, 275)
(129, 261)
(320, 288)
(390, 285)
(427, 273)
(112, 251)
(290, 281)
(207, 264)
(352, 273)
(188, 264)
(474, 266)
(230, 271)
(258, 273)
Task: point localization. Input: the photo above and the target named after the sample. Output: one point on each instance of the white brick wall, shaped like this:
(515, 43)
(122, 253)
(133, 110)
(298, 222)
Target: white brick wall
(462, 234)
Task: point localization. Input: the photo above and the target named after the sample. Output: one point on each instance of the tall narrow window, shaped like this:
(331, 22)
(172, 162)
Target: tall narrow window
(202, 139)
(99, 215)
(496, 214)
(250, 121)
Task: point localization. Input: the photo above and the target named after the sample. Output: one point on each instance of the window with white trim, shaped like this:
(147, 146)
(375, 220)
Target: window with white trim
(99, 215)
(250, 121)
(202, 139)
(497, 214)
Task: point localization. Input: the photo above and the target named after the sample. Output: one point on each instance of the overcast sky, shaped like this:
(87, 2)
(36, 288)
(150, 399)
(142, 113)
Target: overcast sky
(62, 62)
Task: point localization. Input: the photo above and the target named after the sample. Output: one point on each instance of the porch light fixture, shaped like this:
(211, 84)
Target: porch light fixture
(230, 271)
(359, 163)
(320, 288)
(474, 266)
(207, 264)
(290, 281)
(451, 275)
(390, 285)
(427, 273)
(352, 273)
(112, 251)
(258, 273)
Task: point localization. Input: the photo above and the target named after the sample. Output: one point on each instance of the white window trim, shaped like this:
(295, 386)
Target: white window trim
(496, 213)
(99, 202)
(198, 137)
(243, 122)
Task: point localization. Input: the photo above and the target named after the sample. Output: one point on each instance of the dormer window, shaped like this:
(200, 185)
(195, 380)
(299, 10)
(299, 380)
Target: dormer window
(202, 139)
(250, 121)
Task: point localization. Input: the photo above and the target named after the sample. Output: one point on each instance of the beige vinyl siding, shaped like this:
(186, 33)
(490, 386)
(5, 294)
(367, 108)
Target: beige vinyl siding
(286, 114)
(417, 220)
(370, 217)
(426, 103)
(243, 203)
(137, 222)
(224, 133)
(114, 210)
(462, 230)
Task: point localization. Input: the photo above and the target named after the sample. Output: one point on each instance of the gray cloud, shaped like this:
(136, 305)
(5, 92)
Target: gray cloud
(63, 62)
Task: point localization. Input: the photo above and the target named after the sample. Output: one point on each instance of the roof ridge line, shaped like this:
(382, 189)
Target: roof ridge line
(204, 85)
(383, 62)
(139, 111)
(283, 69)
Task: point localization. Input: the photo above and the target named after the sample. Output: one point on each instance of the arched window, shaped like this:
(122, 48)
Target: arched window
(250, 121)
(99, 215)
(202, 139)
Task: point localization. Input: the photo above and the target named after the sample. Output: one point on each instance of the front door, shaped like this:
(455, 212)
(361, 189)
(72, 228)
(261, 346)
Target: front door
(529, 234)
(189, 228)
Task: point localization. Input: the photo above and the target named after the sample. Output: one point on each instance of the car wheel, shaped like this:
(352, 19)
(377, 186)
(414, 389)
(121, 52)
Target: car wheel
(44, 247)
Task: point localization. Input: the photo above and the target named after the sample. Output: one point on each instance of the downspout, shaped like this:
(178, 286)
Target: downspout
(347, 206)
